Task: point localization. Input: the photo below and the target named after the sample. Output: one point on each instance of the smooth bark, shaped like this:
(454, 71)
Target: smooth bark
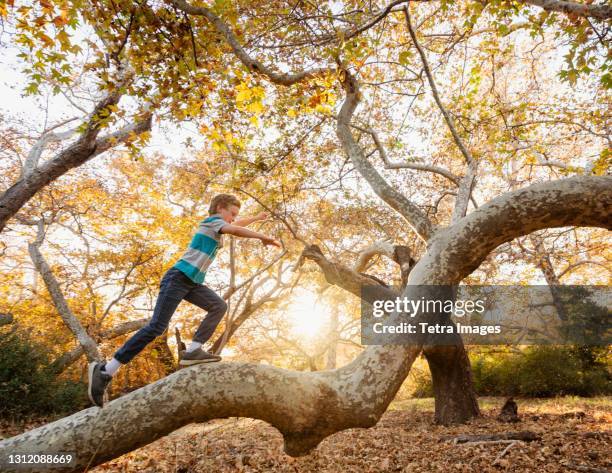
(86, 147)
(307, 407)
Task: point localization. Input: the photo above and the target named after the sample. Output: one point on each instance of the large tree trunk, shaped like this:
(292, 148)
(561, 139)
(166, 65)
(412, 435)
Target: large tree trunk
(449, 365)
(307, 407)
(451, 374)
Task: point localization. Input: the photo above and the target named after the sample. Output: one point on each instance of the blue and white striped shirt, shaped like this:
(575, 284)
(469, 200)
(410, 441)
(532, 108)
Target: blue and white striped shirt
(202, 249)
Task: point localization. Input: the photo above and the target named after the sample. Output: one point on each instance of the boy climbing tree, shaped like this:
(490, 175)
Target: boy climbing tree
(185, 281)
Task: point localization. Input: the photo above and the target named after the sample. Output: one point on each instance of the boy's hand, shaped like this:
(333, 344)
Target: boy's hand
(271, 241)
(262, 216)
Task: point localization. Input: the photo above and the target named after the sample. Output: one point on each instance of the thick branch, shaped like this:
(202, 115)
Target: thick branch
(251, 63)
(82, 150)
(347, 278)
(70, 320)
(464, 194)
(123, 135)
(307, 407)
(381, 247)
(37, 149)
(577, 201)
(401, 254)
(395, 199)
(599, 12)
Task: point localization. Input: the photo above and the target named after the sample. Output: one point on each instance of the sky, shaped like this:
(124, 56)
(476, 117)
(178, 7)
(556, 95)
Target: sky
(167, 138)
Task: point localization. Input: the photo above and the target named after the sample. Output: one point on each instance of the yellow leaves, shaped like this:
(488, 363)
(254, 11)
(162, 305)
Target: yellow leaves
(249, 99)
(3, 9)
(603, 164)
(64, 39)
(255, 107)
(23, 10)
(326, 109)
(325, 81)
(222, 141)
(404, 58)
(194, 108)
(321, 102)
(25, 40)
(244, 93)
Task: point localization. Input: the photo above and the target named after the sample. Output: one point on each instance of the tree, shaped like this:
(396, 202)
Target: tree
(35, 175)
(306, 407)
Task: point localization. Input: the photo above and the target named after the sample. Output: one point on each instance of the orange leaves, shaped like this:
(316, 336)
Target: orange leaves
(61, 19)
(46, 40)
(405, 439)
(4, 5)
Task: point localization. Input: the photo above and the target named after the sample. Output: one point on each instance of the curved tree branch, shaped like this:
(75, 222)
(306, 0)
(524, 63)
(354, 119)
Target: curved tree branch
(458, 250)
(87, 146)
(395, 199)
(70, 320)
(251, 63)
(407, 165)
(599, 12)
(347, 278)
(307, 407)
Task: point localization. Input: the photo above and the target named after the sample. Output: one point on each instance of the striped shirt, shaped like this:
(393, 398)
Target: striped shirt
(202, 249)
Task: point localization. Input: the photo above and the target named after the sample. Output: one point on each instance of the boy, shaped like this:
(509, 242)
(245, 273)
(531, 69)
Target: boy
(184, 281)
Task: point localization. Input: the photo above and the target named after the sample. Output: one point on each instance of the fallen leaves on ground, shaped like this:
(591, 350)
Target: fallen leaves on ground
(405, 439)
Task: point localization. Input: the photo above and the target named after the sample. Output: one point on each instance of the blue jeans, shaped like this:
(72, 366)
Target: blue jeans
(175, 287)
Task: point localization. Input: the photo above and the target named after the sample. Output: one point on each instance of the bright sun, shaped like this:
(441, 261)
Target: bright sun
(307, 315)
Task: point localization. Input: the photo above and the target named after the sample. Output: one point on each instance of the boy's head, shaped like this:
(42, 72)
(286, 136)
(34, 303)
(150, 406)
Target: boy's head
(226, 205)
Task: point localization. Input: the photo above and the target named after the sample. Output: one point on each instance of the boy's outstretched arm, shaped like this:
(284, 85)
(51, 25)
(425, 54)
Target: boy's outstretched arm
(245, 221)
(246, 233)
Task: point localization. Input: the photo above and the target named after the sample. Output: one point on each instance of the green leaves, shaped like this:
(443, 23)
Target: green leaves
(405, 57)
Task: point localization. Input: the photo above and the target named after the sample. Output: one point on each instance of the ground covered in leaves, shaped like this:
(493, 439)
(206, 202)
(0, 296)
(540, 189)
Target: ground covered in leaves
(576, 435)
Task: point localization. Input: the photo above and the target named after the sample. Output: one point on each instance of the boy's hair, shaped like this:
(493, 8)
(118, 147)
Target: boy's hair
(224, 201)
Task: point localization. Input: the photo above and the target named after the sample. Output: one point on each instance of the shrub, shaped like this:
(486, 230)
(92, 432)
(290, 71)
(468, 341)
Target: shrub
(423, 385)
(27, 386)
(548, 371)
(541, 371)
(537, 371)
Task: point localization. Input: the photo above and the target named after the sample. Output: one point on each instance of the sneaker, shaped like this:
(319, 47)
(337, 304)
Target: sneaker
(197, 356)
(98, 382)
